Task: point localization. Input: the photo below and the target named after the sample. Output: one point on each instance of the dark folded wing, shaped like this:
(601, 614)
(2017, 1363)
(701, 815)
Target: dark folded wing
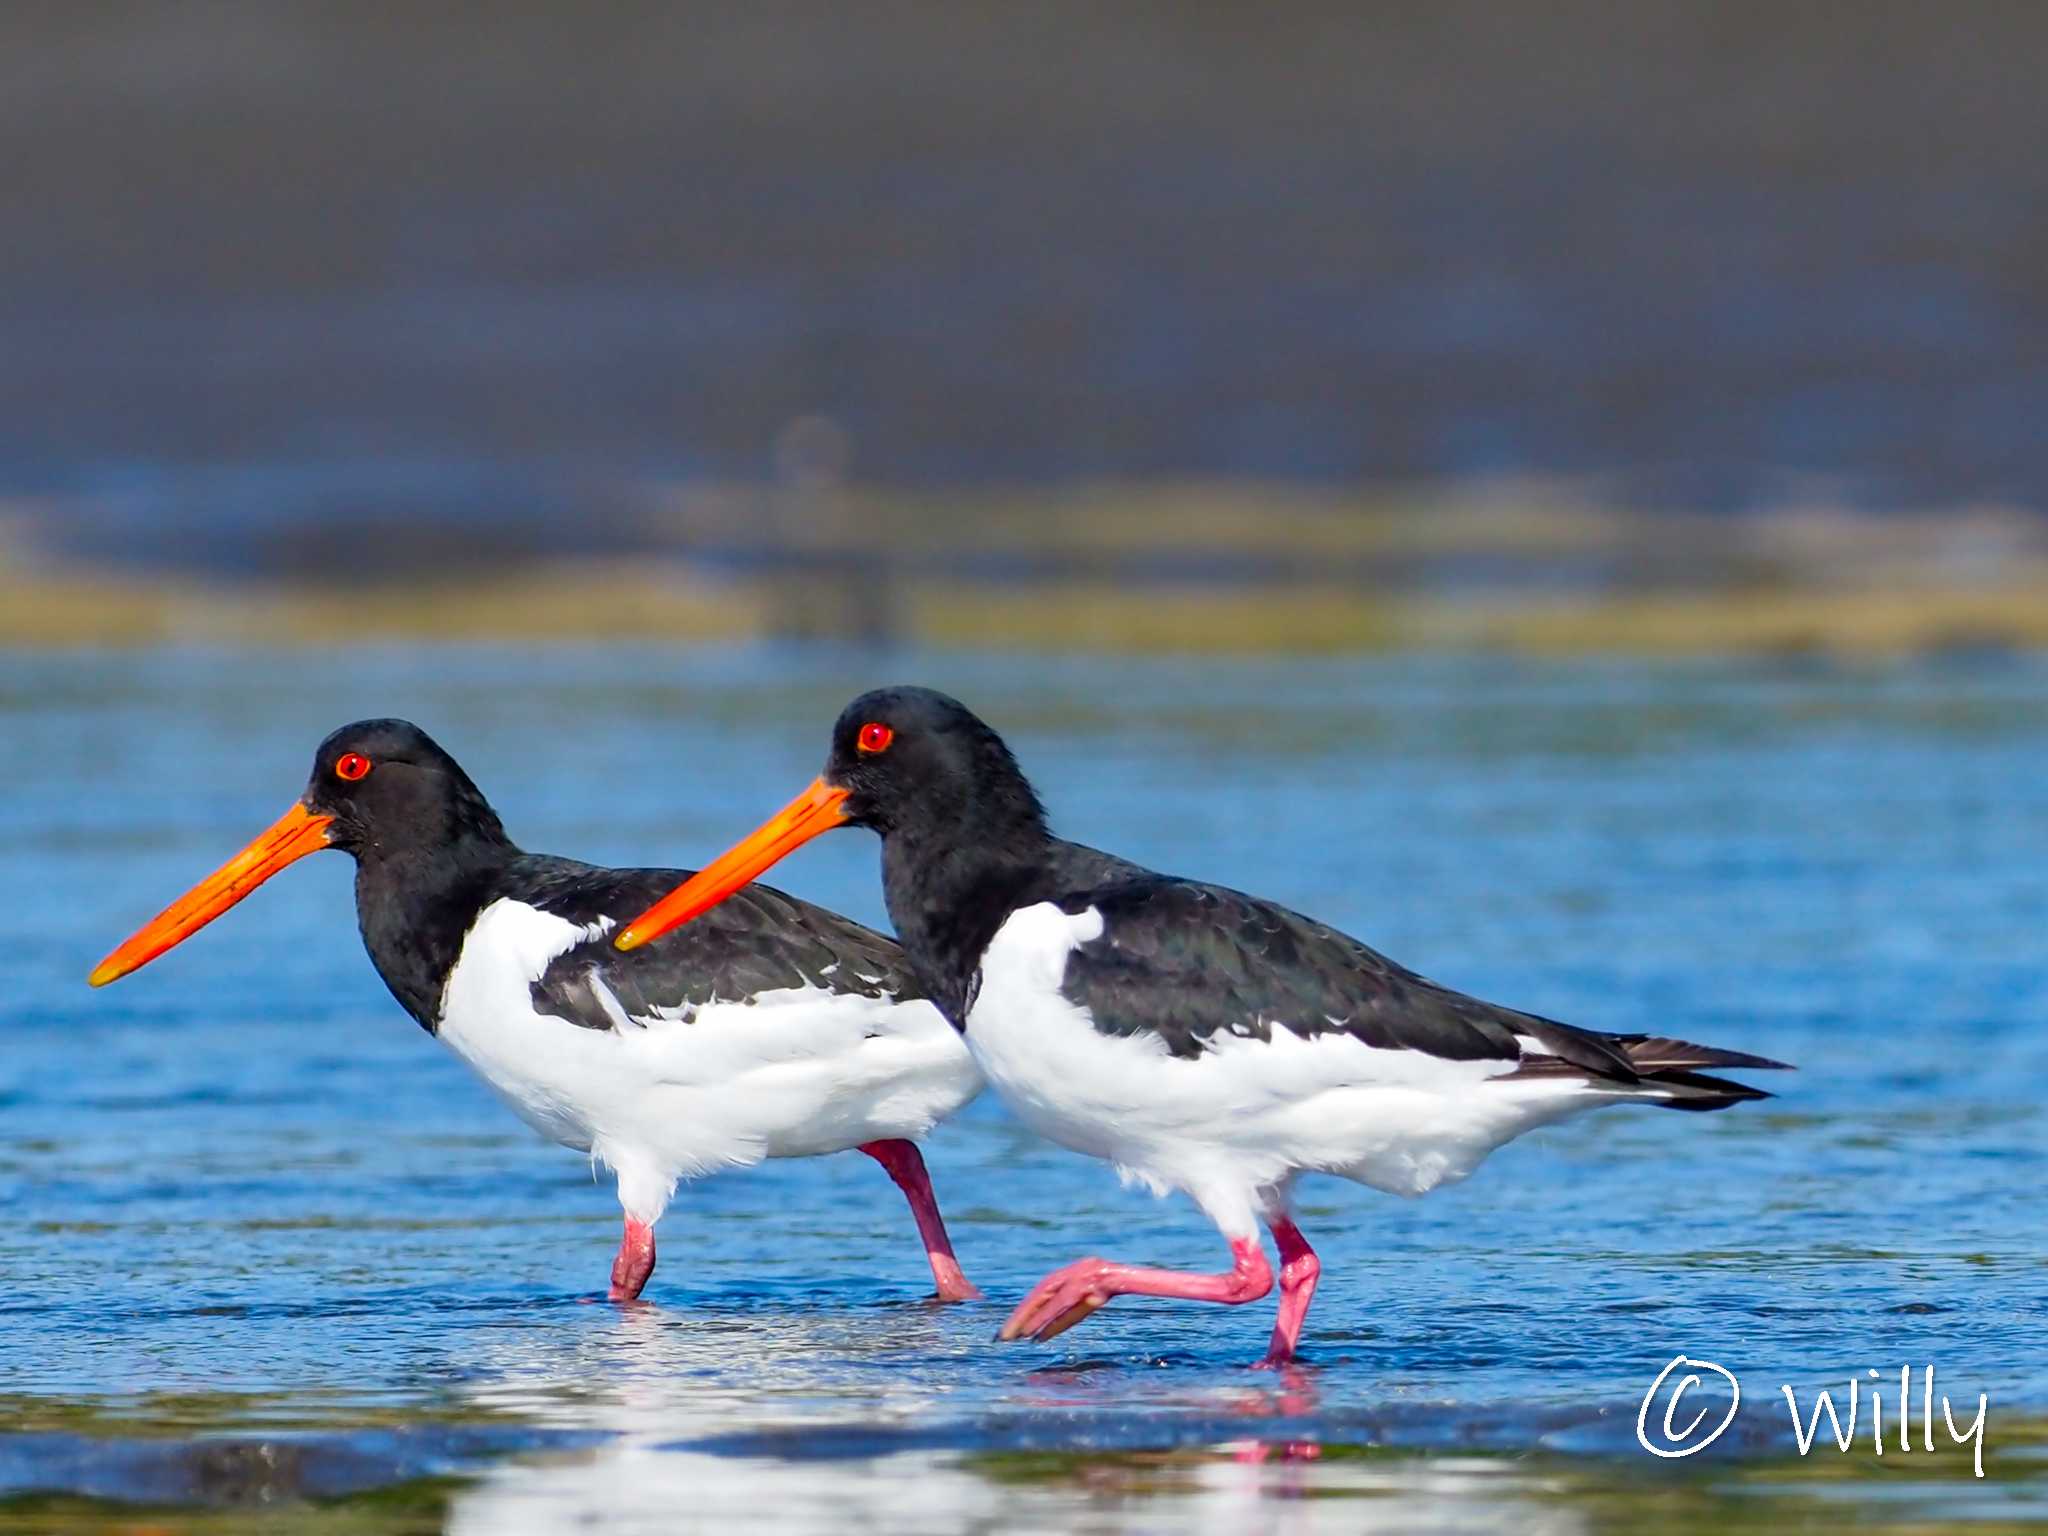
(758, 940)
(1190, 962)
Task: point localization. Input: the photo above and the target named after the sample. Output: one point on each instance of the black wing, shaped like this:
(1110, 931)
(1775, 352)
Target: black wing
(1188, 962)
(1077, 867)
(758, 940)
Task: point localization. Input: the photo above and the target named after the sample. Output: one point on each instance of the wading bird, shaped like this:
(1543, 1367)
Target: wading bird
(1198, 1038)
(779, 1030)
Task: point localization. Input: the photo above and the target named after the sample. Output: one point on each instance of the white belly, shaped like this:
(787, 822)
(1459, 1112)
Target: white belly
(1246, 1114)
(792, 1073)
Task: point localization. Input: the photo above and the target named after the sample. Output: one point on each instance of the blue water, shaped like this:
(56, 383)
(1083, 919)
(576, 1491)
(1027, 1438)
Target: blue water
(247, 1204)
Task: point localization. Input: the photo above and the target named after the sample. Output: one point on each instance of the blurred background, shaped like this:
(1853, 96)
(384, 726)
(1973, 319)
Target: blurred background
(1667, 326)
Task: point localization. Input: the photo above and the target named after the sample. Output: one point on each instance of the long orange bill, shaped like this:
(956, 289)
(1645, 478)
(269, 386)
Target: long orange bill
(295, 834)
(817, 809)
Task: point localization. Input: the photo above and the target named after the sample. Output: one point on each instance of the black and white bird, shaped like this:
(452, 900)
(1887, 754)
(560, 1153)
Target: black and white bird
(1198, 1038)
(780, 1030)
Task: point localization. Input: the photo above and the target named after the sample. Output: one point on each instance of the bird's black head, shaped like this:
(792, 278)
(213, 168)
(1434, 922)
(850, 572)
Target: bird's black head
(913, 765)
(914, 762)
(381, 790)
(389, 788)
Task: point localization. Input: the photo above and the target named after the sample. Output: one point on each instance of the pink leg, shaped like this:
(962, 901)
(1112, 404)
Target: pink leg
(1067, 1296)
(1299, 1267)
(906, 1166)
(635, 1261)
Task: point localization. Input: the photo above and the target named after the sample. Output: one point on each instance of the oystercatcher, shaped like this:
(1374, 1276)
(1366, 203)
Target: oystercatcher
(1198, 1038)
(782, 1030)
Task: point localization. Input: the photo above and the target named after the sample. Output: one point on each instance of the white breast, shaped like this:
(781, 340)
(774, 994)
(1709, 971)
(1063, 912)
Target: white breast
(795, 1072)
(1247, 1113)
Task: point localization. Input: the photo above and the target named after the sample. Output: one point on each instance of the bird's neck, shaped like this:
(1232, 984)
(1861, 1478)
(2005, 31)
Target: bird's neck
(949, 888)
(416, 905)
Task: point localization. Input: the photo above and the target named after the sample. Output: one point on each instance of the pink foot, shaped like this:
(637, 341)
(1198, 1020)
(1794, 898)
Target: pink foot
(634, 1263)
(1073, 1294)
(1299, 1268)
(950, 1280)
(905, 1165)
(1062, 1299)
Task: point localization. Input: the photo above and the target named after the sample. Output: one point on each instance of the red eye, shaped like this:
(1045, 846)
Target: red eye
(351, 765)
(874, 737)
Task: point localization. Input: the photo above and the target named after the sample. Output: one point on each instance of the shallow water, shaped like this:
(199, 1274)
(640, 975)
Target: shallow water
(271, 1259)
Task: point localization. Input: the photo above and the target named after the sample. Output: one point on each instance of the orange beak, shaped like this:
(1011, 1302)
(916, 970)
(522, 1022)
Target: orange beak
(818, 809)
(295, 834)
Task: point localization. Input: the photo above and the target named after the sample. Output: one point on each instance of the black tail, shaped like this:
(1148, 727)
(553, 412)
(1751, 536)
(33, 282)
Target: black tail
(1666, 1070)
